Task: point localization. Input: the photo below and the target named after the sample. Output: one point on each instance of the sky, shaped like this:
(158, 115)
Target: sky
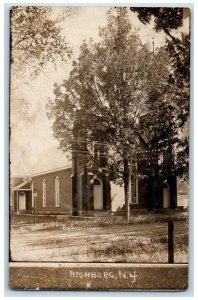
(33, 148)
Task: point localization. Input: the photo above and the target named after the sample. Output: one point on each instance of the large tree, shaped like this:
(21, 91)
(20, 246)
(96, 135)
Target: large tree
(171, 104)
(107, 91)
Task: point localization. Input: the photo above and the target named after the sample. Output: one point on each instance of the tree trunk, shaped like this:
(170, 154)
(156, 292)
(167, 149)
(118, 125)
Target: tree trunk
(125, 191)
(126, 179)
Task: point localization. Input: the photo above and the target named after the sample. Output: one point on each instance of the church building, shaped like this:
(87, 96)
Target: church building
(84, 189)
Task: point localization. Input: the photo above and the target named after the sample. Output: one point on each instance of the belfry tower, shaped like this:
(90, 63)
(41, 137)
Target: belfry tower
(91, 192)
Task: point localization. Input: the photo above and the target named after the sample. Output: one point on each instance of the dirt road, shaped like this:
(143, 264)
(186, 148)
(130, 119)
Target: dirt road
(84, 244)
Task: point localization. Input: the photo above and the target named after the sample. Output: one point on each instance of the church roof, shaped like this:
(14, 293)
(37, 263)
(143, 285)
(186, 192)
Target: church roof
(69, 166)
(21, 185)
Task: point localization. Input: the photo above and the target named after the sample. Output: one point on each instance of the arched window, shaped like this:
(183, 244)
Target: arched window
(98, 194)
(134, 185)
(32, 193)
(166, 194)
(44, 192)
(57, 192)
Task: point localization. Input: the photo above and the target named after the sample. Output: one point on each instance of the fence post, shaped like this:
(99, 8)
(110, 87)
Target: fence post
(170, 242)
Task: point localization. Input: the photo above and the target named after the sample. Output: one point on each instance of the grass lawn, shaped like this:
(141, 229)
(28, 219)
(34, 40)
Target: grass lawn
(136, 217)
(101, 239)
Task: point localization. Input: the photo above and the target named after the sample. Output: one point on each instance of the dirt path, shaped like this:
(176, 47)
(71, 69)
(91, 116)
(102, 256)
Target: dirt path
(66, 244)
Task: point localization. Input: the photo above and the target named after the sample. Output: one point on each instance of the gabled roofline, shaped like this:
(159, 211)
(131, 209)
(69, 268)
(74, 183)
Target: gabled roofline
(19, 186)
(52, 170)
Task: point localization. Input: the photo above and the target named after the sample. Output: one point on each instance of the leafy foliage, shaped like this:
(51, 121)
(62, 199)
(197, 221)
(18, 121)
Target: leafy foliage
(107, 91)
(36, 39)
(171, 106)
(165, 18)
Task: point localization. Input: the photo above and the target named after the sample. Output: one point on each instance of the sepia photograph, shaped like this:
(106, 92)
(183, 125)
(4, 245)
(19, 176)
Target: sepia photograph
(99, 147)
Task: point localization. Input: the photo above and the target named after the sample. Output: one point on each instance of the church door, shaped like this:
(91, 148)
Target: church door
(166, 196)
(98, 194)
(22, 201)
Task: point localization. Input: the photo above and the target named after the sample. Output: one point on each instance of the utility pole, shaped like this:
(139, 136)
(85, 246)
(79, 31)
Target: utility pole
(75, 162)
(128, 200)
(35, 195)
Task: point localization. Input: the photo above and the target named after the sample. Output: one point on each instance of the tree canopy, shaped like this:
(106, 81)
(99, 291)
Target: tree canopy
(107, 91)
(36, 39)
(165, 18)
(176, 111)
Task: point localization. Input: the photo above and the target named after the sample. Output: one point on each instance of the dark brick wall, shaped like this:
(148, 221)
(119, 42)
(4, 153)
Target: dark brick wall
(29, 207)
(15, 201)
(142, 194)
(65, 188)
